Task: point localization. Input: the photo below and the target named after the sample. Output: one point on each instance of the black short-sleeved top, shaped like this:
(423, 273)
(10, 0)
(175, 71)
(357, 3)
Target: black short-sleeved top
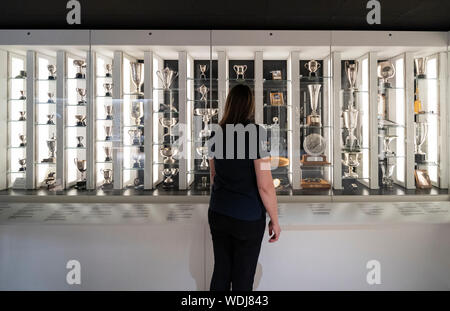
(235, 191)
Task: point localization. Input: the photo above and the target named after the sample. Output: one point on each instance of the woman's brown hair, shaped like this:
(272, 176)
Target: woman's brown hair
(239, 106)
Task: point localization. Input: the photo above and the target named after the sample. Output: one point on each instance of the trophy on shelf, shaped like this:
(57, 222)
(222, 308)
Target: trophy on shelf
(51, 145)
(421, 67)
(50, 98)
(168, 174)
(386, 71)
(314, 91)
(50, 180)
(168, 152)
(82, 93)
(108, 69)
(108, 151)
(22, 116)
(203, 152)
(22, 95)
(135, 136)
(204, 183)
(203, 68)
(80, 64)
(23, 140)
(52, 72)
(107, 177)
(240, 71)
(168, 123)
(312, 67)
(81, 120)
(50, 119)
(314, 145)
(108, 132)
(352, 72)
(350, 117)
(203, 90)
(351, 160)
(81, 166)
(22, 75)
(206, 113)
(421, 129)
(167, 77)
(136, 77)
(136, 158)
(22, 163)
(80, 139)
(108, 89)
(108, 112)
(386, 144)
(136, 112)
(387, 170)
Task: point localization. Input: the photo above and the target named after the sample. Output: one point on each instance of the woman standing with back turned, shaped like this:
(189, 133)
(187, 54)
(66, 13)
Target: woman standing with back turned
(242, 192)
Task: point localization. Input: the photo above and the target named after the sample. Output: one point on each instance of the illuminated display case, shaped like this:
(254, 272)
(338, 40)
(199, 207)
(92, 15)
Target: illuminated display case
(347, 113)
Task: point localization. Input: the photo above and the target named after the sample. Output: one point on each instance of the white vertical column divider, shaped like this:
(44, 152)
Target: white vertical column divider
(336, 113)
(409, 120)
(443, 126)
(326, 108)
(117, 120)
(373, 121)
(259, 109)
(148, 120)
(4, 119)
(183, 114)
(222, 74)
(91, 126)
(294, 152)
(61, 168)
(447, 116)
(31, 120)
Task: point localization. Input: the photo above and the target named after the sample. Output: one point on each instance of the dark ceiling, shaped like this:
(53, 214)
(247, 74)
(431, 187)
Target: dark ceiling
(229, 14)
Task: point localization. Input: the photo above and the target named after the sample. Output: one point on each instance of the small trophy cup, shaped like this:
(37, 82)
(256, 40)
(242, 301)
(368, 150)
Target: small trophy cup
(168, 173)
(387, 144)
(421, 129)
(80, 144)
(350, 117)
(50, 98)
(23, 140)
(203, 152)
(22, 95)
(312, 67)
(203, 68)
(50, 119)
(203, 90)
(107, 176)
(108, 111)
(421, 67)
(314, 91)
(108, 89)
(80, 64)
(136, 112)
(22, 163)
(108, 69)
(351, 160)
(81, 166)
(82, 93)
(167, 77)
(136, 77)
(136, 163)
(387, 170)
(206, 113)
(22, 116)
(50, 180)
(135, 136)
(204, 183)
(51, 145)
(108, 151)
(240, 71)
(81, 120)
(386, 71)
(108, 131)
(22, 75)
(52, 72)
(168, 152)
(352, 72)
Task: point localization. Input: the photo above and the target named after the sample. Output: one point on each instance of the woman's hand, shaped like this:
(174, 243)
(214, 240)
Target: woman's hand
(274, 231)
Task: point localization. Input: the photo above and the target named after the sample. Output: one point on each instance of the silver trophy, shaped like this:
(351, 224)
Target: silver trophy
(23, 140)
(387, 170)
(81, 166)
(350, 117)
(135, 136)
(386, 71)
(22, 163)
(52, 72)
(109, 112)
(168, 152)
(81, 120)
(421, 129)
(240, 71)
(136, 77)
(108, 89)
(168, 174)
(312, 67)
(50, 119)
(136, 159)
(80, 64)
(314, 92)
(80, 139)
(50, 98)
(203, 68)
(22, 116)
(51, 145)
(50, 180)
(82, 93)
(108, 132)
(387, 144)
(108, 69)
(167, 77)
(351, 160)
(421, 67)
(168, 122)
(108, 152)
(107, 176)
(136, 112)
(203, 90)
(203, 152)
(206, 113)
(352, 72)
(22, 95)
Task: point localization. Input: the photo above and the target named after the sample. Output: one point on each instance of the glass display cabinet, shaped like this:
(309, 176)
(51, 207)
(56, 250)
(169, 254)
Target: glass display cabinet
(348, 115)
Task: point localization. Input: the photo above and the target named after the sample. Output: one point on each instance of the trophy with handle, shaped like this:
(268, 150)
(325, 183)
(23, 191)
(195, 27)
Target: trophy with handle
(136, 77)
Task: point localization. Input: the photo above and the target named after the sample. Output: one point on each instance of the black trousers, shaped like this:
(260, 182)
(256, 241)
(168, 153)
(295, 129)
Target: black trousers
(236, 244)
